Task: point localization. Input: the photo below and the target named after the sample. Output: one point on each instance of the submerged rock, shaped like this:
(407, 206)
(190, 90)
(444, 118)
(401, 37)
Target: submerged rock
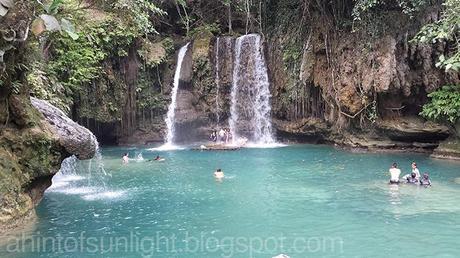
(76, 139)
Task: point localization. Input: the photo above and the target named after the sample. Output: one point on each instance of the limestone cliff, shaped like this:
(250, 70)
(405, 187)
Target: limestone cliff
(31, 146)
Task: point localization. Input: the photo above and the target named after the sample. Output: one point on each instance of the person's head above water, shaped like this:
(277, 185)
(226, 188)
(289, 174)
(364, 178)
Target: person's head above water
(394, 165)
(426, 176)
(219, 170)
(414, 165)
(413, 175)
(126, 154)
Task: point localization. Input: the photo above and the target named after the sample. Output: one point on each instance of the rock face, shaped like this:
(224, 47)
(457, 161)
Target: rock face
(31, 152)
(449, 149)
(367, 91)
(413, 129)
(75, 139)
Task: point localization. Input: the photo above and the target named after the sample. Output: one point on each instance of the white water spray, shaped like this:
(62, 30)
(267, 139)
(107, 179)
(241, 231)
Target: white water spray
(84, 178)
(250, 107)
(169, 139)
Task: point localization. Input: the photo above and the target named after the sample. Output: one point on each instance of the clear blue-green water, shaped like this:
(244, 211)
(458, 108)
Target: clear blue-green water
(302, 201)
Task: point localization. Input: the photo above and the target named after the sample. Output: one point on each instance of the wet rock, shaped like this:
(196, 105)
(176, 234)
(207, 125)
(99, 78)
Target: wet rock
(413, 129)
(76, 139)
(449, 149)
(305, 130)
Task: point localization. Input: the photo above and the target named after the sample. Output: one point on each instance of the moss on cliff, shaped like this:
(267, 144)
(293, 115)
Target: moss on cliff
(26, 154)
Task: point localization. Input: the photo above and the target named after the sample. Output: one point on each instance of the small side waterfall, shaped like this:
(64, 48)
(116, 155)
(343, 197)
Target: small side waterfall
(250, 96)
(169, 139)
(85, 178)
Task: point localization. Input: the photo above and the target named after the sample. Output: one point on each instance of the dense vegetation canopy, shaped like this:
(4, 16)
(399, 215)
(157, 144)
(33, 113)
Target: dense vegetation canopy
(79, 46)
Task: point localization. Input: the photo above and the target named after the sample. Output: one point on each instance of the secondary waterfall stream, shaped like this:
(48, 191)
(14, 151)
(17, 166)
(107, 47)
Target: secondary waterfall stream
(169, 139)
(250, 96)
(84, 178)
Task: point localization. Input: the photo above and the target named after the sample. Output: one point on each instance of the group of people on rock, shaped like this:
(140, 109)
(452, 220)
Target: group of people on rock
(221, 136)
(413, 178)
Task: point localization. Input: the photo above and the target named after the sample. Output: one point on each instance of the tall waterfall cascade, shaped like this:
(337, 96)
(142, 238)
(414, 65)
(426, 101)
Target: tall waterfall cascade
(217, 81)
(169, 139)
(250, 95)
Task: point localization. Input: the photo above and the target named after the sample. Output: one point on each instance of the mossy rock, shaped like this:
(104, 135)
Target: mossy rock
(152, 53)
(201, 46)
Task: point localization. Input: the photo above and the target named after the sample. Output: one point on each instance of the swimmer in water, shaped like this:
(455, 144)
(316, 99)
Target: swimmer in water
(425, 180)
(125, 158)
(395, 172)
(412, 179)
(158, 158)
(219, 174)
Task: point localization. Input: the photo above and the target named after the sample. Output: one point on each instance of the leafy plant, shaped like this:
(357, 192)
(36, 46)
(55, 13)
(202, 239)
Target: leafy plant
(444, 104)
(446, 29)
(49, 21)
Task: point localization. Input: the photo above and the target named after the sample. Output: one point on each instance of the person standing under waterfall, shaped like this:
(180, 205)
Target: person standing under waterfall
(227, 135)
(221, 135)
(213, 136)
(230, 136)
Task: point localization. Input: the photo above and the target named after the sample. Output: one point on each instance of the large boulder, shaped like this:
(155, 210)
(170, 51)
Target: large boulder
(76, 139)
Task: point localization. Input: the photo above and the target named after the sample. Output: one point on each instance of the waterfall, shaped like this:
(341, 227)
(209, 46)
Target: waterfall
(217, 81)
(250, 95)
(87, 179)
(169, 139)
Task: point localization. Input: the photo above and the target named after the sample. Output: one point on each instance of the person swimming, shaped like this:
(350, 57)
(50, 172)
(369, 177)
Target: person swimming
(158, 158)
(412, 179)
(219, 174)
(425, 180)
(395, 172)
(125, 158)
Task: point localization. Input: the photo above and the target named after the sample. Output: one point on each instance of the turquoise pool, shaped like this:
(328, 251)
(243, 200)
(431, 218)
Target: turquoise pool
(301, 200)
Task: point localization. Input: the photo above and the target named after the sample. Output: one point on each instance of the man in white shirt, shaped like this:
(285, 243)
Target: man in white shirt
(395, 172)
